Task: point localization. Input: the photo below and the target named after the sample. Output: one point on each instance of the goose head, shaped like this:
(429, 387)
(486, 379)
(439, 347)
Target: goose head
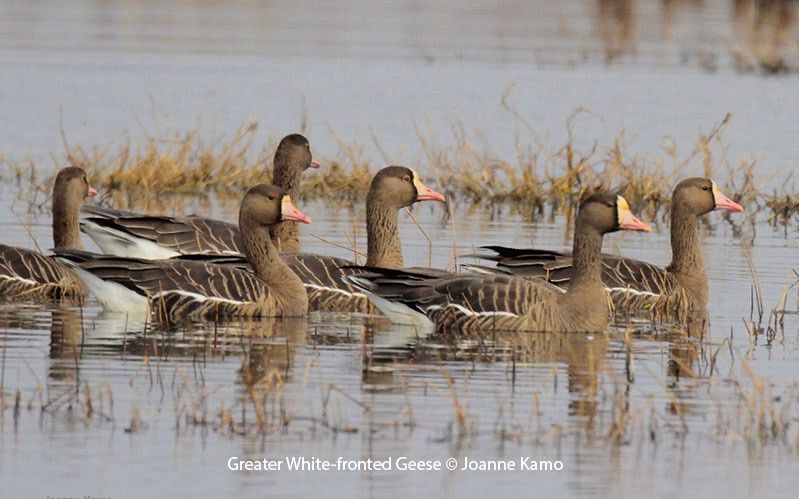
(609, 212)
(72, 186)
(399, 187)
(699, 196)
(294, 151)
(266, 205)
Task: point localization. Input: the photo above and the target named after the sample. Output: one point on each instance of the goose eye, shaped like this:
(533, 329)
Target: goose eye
(611, 204)
(406, 178)
(705, 187)
(271, 197)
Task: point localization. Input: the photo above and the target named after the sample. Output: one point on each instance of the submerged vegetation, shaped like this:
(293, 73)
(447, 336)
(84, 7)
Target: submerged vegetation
(538, 180)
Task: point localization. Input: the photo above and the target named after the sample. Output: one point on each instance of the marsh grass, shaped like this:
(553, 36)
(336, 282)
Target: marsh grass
(168, 170)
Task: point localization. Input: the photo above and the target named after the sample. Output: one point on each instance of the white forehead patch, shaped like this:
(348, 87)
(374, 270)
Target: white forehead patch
(621, 209)
(416, 182)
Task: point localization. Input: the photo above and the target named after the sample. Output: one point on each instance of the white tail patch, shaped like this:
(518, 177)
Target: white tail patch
(119, 243)
(111, 295)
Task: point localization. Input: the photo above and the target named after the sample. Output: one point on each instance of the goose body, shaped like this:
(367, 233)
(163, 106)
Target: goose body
(464, 303)
(635, 285)
(209, 287)
(136, 235)
(176, 287)
(26, 274)
(632, 284)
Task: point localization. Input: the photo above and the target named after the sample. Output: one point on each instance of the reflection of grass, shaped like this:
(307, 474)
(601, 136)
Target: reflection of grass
(162, 173)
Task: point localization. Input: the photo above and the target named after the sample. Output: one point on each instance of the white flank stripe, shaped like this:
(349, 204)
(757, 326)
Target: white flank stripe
(15, 277)
(333, 290)
(198, 297)
(487, 313)
(634, 291)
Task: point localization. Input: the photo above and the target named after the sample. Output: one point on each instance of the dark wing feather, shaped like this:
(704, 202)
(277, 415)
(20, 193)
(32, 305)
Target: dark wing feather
(185, 235)
(619, 273)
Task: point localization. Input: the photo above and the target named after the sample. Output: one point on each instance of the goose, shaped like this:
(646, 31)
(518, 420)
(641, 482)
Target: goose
(466, 303)
(191, 288)
(26, 273)
(136, 235)
(391, 189)
(677, 290)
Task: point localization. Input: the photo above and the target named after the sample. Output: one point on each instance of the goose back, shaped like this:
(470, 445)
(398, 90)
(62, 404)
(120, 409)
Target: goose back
(28, 274)
(135, 235)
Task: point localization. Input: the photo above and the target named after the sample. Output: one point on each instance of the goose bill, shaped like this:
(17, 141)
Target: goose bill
(628, 221)
(315, 164)
(91, 192)
(723, 202)
(424, 193)
(289, 212)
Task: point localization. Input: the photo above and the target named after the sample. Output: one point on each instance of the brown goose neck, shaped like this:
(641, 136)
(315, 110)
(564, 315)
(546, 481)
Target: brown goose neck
(270, 267)
(685, 254)
(383, 247)
(587, 256)
(66, 221)
(287, 176)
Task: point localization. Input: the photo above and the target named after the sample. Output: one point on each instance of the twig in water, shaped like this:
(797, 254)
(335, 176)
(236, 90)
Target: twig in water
(338, 245)
(429, 241)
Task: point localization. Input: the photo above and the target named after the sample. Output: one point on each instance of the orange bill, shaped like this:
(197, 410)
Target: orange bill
(723, 202)
(424, 193)
(290, 213)
(628, 221)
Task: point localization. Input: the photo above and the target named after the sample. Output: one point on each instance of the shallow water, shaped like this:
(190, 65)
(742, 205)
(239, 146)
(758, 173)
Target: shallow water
(109, 410)
(360, 390)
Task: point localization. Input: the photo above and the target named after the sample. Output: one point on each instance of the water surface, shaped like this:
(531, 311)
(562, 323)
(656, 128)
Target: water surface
(108, 409)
